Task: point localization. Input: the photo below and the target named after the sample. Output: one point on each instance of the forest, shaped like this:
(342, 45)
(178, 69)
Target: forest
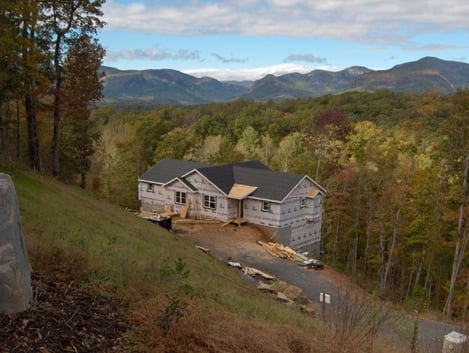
(395, 165)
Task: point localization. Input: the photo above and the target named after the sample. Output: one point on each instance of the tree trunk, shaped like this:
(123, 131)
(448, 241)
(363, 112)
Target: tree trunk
(318, 166)
(369, 227)
(33, 135)
(461, 244)
(17, 129)
(84, 167)
(57, 108)
(390, 258)
(429, 271)
(395, 231)
(355, 242)
(420, 266)
(383, 248)
(2, 128)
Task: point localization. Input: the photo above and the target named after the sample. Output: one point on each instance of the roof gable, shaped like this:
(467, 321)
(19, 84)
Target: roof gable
(168, 169)
(223, 175)
(183, 182)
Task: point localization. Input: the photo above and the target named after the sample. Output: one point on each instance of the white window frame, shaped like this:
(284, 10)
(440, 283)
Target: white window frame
(150, 187)
(303, 202)
(210, 202)
(180, 197)
(266, 206)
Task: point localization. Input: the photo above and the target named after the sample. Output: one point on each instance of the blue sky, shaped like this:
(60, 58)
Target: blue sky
(247, 39)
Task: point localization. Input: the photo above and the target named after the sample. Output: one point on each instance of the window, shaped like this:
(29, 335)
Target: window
(180, 197)
(210, 202)
(303, 202)
(266, 206)
(150, 188)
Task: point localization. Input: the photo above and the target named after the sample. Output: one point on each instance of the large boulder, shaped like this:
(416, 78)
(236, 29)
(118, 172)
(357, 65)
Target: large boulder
(15, 270)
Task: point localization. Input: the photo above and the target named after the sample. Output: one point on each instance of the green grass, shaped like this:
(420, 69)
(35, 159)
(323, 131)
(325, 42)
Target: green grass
(69, 231)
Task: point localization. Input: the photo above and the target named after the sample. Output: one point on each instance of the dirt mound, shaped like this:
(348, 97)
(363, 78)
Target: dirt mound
(63, 318)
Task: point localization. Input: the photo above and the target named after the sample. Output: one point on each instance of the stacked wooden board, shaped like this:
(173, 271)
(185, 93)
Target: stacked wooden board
(285, 252)
(279, 250)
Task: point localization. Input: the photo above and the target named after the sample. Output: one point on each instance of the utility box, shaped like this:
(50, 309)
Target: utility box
(454, 342)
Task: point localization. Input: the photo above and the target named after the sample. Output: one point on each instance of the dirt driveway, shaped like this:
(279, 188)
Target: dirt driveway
(239, 244)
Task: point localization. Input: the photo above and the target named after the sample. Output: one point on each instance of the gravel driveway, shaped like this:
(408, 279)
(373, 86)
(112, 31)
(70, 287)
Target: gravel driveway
(239, 244)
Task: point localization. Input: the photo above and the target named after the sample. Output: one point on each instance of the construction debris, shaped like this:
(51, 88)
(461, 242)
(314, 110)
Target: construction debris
(285, 252)
(255, 272)
(237, 221)
(185, 209)
(251, 271)
(203, 249)
(196, 221)
(289, 294)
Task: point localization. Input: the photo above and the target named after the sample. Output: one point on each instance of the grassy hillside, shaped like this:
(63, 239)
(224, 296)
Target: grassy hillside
(177, 297)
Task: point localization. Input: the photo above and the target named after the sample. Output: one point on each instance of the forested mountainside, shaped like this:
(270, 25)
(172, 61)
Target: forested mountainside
(173, 87)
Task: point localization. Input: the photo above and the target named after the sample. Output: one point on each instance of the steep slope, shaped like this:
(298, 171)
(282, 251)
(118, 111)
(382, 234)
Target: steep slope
(94, 245)
(165, 87)
(414, 77)
(295, 85)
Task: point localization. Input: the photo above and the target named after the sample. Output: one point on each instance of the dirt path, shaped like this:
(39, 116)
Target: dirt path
(239, 243)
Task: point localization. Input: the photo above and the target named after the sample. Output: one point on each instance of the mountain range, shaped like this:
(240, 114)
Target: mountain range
(166, 86)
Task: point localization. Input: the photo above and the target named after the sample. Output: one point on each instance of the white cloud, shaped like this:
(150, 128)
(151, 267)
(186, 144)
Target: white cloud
(390, 22)
(254, 73)
(304, 58)
(154, 53)
(226, 60)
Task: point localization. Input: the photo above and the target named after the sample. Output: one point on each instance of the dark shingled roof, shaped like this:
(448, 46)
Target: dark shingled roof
(271, 185)
(223, 177)
(168, 169)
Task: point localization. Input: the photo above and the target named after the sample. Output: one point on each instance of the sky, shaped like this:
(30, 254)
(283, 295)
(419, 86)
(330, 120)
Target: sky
(248, 39)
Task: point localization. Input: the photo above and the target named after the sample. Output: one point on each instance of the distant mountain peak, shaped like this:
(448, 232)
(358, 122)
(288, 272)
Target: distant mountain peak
(168, 86)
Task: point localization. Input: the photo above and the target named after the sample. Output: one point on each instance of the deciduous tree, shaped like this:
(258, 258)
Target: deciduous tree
(82, 88)
(66, 21)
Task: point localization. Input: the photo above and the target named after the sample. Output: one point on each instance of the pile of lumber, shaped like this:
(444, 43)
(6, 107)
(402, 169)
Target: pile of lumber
(282, 251)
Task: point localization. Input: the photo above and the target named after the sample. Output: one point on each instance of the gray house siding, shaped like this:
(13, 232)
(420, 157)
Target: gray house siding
(151, 200)
(287, 206)
(253, 212)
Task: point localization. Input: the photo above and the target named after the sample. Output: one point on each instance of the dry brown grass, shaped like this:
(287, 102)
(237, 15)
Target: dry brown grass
(204, 329)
